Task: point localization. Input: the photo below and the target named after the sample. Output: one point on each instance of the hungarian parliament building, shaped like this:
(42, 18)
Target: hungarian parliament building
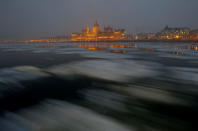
(109, 34)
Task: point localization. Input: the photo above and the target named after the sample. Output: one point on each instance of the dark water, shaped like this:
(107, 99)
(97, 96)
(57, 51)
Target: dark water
(98, 86)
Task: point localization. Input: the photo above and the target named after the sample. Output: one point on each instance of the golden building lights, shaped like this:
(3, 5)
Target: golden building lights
(97, 35)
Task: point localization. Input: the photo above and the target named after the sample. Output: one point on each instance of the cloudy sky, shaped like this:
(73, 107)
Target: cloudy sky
(21, 19)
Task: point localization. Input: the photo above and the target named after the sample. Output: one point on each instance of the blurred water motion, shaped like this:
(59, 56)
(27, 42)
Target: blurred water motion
(149, 87)
(57, 115)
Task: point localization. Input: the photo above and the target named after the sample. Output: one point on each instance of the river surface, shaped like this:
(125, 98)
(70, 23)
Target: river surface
(99, 86)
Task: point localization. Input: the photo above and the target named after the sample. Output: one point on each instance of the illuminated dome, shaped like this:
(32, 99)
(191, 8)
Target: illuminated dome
(96, 28)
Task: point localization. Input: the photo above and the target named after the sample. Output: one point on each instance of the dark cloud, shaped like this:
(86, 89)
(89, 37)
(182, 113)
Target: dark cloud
(34, 18)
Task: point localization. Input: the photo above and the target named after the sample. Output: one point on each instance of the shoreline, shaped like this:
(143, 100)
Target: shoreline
(156, 41)
(172, 41)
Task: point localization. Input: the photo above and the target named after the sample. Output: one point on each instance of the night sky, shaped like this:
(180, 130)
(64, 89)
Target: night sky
(22, 19)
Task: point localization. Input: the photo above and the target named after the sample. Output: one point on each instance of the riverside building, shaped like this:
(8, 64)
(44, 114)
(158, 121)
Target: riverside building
(96, 34)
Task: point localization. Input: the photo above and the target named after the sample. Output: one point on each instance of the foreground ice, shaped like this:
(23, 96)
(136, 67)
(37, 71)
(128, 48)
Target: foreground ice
(117, 71)
(58, 116)
(99, 95)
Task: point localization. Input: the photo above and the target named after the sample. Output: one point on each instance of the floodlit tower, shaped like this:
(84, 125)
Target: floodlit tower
(96, 28)
(87, 30)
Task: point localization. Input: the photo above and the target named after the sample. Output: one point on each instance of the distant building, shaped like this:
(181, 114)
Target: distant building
(193, 35)
(109, 34)
(108, 30)
(145, 36)
(174, 33)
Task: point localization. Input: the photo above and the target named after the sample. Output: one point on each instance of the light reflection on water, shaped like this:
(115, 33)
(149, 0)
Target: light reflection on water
(125, 86)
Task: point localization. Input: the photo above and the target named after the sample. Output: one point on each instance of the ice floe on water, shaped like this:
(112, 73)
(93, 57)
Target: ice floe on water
(103, 55)
(185, 74)
(117, 71)
(21, 73)
(32, 70)
(75, 52)
(58, 115)
(10, 79)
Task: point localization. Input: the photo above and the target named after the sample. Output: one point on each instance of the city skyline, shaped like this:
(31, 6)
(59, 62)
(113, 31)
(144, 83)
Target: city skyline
(109, 34)
(32, 19)
(96, 33)
(102, 28)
